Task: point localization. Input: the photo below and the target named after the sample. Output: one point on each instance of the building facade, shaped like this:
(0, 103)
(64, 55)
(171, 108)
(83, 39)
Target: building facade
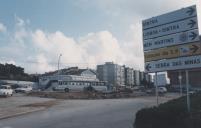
(162, 79)
(129, 77)
(137, 78)
(114, 74)
(73, 76)
(194, 78)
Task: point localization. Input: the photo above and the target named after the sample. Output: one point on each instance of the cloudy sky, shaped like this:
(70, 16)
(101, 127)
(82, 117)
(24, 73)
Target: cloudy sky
(86, 32)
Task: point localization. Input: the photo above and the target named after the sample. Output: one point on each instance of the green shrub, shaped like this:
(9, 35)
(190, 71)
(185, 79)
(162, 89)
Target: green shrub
(172, 114)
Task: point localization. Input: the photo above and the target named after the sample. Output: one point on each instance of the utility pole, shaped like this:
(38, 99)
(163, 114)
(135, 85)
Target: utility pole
(187, 92)
(180, 78)
(156, 84)
(58, 64)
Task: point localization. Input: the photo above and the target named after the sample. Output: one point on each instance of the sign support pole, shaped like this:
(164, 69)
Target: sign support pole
(180, 77)
(156, 82)
(187, 91)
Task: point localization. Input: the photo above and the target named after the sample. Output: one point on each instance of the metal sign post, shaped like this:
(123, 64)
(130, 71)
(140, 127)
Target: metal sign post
(156, 84)
(187, 91)
(180, 78)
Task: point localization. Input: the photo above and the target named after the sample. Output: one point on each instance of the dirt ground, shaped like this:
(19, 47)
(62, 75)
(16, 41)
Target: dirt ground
(45, 104)
(85, 95)
(21, 104)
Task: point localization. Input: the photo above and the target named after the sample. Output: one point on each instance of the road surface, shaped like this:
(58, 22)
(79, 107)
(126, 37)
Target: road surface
(109, 113)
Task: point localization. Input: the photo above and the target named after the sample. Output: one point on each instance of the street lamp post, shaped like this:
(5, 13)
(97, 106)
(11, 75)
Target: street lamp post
(59, 62)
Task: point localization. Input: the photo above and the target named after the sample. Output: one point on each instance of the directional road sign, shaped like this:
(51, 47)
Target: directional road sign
(173, 52)
(172, 28)
(174, 64)
(175, 39)
(181, 14)
(171, 40)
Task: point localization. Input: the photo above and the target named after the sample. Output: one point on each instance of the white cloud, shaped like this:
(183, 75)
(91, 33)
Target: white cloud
(43, 47)
(38, 50)
(101, 46)
(52, 44)
(19, 21)
(89, 50)
(2, 28)
(138, 9)
(40, 65)
(132, 11)
(21, 31)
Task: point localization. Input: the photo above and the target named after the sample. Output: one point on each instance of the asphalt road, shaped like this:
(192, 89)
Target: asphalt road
(110, 113)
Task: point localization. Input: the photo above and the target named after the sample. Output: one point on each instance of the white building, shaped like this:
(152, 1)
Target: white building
(114, 74)
(73, 76)
(137, 78)
(162, 79)
(129, 77)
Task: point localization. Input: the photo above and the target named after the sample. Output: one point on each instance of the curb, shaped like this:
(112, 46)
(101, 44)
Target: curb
(20, 114)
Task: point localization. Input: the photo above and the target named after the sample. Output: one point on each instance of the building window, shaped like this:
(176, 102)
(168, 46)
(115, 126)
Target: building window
(60, 82)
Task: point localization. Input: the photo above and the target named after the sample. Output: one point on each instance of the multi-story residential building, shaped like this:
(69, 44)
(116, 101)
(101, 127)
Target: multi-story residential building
(117, 75)
(142, 76)
(129, 77)
(137, 77)
(114, 74)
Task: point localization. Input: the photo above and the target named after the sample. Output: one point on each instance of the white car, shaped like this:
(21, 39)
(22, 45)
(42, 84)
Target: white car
(162, 89)
(23, 89)
(5, 90)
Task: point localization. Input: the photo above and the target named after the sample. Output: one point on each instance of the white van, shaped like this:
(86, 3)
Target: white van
(23, 89)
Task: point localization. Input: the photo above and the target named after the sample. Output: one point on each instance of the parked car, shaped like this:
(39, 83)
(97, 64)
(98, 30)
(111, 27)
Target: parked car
(5, 90)
(161, 90)
(23, 89)
(150, 91)
(125, 90)
(139, 88)
(183, 89)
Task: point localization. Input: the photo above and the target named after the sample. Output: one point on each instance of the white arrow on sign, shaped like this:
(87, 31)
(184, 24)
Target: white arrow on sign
(174, 64)
(170, 17)
(175, 39)
(171, 28)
